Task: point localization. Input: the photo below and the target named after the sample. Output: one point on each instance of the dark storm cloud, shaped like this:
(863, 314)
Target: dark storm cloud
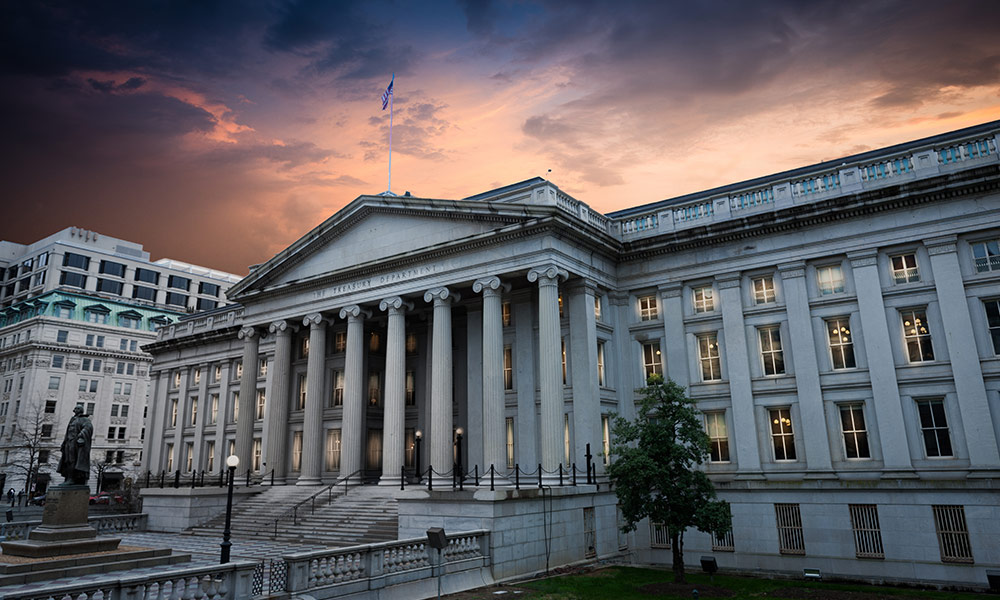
(479, 16)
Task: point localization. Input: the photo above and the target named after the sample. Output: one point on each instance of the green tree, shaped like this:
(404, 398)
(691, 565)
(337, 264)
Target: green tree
(654, 468)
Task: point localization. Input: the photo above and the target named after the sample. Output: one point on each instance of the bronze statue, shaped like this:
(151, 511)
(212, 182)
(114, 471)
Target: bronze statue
(74, 465)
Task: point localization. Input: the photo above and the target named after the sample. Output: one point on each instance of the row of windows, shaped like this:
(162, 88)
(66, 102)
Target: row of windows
(829, 280)
(26, 266)
(116, 269)
(933, 423)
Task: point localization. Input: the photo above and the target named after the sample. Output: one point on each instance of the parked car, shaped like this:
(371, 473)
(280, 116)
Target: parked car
(107, 498)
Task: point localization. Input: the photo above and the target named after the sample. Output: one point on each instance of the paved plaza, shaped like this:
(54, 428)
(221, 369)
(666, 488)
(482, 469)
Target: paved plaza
(204, 551)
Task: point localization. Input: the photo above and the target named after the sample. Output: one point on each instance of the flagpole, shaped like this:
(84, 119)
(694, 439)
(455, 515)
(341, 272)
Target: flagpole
(390, 135)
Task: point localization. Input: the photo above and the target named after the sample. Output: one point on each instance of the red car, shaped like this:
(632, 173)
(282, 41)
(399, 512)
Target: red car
(107, 498)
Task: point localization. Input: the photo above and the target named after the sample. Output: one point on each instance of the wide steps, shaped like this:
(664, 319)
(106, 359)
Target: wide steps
(366, 514)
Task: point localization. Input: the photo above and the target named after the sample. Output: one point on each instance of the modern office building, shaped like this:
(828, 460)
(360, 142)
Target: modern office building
(838, 326)
(77, 307)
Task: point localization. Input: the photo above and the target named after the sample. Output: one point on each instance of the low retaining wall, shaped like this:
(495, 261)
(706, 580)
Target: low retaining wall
(172, 510)
(532, 529)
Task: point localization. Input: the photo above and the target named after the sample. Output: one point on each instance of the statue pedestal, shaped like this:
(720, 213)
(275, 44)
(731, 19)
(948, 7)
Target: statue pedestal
(64, 529)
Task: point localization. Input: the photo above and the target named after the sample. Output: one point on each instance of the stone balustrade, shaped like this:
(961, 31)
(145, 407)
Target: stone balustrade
(104, 524)
(231, 581)
(335, 572)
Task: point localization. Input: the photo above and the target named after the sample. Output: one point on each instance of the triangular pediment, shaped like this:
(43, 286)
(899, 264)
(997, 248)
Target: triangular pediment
(373, 229)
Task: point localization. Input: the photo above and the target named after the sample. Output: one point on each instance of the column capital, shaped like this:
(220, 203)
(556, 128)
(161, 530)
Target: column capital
(353, 312)
(441, 295)
(793, 269)
(863, 258)
(945, 244)
(395, 304)
(672, 289)
(490, 286)
(314, 320)
(248, 332)
(547, 275)
(282, 326)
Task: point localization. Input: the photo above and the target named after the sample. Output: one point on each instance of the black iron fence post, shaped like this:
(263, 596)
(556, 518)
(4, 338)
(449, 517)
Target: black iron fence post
(517, 476)
(574, 474)
(177, 478)
(492, 471)
(539, 475)
(560, 475)
(589, 457)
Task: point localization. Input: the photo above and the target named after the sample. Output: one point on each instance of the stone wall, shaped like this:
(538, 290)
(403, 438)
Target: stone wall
(173, 510)
(531, 529)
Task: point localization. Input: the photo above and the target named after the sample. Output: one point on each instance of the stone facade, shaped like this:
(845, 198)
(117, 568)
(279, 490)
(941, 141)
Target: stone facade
(838, 326)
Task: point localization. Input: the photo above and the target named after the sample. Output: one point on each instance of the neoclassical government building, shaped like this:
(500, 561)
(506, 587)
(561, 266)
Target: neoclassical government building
(837, 324)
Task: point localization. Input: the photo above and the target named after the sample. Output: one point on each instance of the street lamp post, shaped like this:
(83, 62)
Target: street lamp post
(232, 462)
(458, 456)
(419, 437)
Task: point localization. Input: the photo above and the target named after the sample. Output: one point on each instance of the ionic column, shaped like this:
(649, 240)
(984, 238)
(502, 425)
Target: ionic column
(964, 357)
(352, 444)
(277, 408)
(494, 433)
(199, 431)
(881, 367)
(312, 430)
(550, 365)
(441, 457)
(154, 447)
(248, 393)
(806, 367)
(395, 391)
(583, 359)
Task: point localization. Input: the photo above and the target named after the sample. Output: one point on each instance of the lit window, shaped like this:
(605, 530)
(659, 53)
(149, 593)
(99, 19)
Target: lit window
(830, 279)
(718, 436)
(194, 411)
(606, 438)
(510, 442)
(782, 437)
(177, 378)
(296, 450)
(563, 349)
(236, 407)
(505, 313)
(338, 388)
(197, 376)
(566, 438)
(704, 299)
(374, 342)
(218, 373)
(213, 409)
(770, 350)
(173, 412)
(302, 391)
(651, 364)
(340, 342)
(708, 356)
(600, 364)
(261, 401)
(597, 308)
(763, 290)
(210, 453)
(411, 394)
(170, 457)
(904, 268)
(852, 424)
(304, 349)
(239, 369)
(986, 256)
(262, 368)
(257, 446)
(190, 457)
(508, 368)
(992, 321)
(917, 335)
(374, 393)
(332, 449)
(841, 343)
(647, 308)
(934, 428)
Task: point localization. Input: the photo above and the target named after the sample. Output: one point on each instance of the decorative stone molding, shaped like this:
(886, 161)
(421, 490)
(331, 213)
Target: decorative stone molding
(441, 294)
(672, 289)
(547, 275)
(728, 280)
(946, 244)
(395, 303)
(282, 326)
(863, 258)
(490, 286)
(792, 270)
(314, 319)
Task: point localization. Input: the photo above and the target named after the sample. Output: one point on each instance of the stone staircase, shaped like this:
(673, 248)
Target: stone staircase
(364, 515)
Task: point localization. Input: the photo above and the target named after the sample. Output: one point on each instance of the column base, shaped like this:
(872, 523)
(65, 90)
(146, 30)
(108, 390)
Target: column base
(308, 481)
(388, 480)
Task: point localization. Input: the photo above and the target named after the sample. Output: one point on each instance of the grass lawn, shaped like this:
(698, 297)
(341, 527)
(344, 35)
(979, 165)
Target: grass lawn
(629, 583)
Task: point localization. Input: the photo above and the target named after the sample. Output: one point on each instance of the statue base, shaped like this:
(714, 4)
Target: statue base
(64, 529)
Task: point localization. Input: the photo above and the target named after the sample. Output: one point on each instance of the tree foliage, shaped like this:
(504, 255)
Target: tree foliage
(655, 471)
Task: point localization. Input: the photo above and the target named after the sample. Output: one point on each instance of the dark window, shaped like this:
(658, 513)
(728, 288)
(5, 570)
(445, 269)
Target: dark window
(78, 261)
(147, 276)
(43, 456)
(47, 430)
(177, 299)
(73, 279)
(61, 336)
(110, 286)
(209, 289)
(144, 293)
(24, 284)
(112, 268)
(181, 283)
(50, 406)
(204, 304)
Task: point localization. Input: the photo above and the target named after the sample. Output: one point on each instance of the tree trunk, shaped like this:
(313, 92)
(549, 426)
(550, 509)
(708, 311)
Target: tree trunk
(677, 544)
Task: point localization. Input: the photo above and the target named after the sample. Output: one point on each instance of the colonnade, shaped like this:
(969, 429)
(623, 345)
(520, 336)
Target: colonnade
(440, 428)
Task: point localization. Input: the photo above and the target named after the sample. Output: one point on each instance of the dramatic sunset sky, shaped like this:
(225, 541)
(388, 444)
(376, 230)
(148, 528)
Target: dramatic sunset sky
(219, 132)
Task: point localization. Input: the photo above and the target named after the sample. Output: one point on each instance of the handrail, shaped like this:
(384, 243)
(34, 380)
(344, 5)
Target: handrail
(294, 511)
